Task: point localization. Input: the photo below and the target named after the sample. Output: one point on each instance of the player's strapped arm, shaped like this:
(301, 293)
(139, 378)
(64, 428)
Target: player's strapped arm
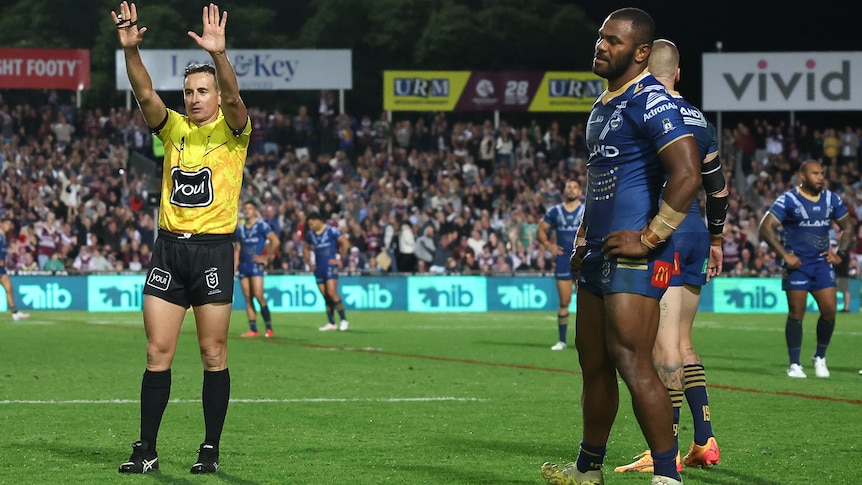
(682, 163)
(662, 225)
(715, 187)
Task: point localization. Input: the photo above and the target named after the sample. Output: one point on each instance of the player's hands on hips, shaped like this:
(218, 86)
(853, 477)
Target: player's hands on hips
(126, 21)
(212, 39)
(832, 258)
(556, 250)
(576, 260)
(625, 243)
(792, 261)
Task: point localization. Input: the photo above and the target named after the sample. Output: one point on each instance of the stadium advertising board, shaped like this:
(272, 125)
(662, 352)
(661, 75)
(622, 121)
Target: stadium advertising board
(45, 69)
(373, 293)
(47, 293)
(782, 81)
(288, 293)
(446, 294)
(115, 293)
(762, 295)
(526, 293)
(433, 294)
(256, 69)
(490, 91)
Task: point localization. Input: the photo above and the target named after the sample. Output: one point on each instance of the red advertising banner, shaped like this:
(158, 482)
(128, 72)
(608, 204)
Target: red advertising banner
(44, 68)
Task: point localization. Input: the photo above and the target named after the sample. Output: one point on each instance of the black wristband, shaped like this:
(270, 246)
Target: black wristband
(842, 254)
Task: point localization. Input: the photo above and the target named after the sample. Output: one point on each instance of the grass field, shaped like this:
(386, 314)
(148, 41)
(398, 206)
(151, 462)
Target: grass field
(407, 398)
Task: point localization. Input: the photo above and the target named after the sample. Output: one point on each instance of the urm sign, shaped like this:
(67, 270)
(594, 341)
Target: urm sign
(423, 88)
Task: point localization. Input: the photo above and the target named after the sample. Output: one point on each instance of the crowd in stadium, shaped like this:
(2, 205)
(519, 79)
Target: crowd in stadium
(425, 192)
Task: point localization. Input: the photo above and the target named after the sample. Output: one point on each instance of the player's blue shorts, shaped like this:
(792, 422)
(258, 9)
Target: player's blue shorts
(811, 276)
(249, 269)
(649, 276)
(323, 273)
(3, 270)
(562, 268)
(691, 258)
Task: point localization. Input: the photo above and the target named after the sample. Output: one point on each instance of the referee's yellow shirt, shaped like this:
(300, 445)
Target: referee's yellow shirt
(202, 178)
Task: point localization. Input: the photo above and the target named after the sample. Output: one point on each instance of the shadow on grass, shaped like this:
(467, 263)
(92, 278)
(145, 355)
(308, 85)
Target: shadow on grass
(541, 452)
(537, 453)
(99, 457)
(771, 371)
(519, 344)
(443, 474)
(721, 476)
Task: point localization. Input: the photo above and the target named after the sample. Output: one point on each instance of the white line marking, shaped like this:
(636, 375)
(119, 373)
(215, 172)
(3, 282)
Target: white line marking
(253, 401)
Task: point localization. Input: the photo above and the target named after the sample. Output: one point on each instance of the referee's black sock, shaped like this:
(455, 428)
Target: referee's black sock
(155, 392)
(215, 396)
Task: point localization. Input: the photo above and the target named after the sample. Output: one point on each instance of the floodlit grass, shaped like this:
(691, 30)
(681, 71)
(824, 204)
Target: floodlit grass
(407, 398)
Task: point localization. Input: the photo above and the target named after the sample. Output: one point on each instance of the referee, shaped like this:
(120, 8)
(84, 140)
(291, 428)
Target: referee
(193, 259)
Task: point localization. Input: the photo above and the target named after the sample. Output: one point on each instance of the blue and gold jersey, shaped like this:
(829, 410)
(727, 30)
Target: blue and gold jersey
(4, 248)
(565, 225)
(626, 131)
(252, 240)
(325, 244)
(806, 222)
(705, 134)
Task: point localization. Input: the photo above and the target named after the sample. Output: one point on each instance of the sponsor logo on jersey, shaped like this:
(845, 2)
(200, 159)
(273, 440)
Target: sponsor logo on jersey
(820, 223)
(191, 189)
(659, 109)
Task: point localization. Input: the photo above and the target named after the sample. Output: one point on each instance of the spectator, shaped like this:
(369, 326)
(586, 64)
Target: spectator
(63, 131)
(28, 263)
(83, 259)
(56, 263)
(355, 260)
(49, 238)
(426, 246)
(98, 261)
(443, 247)
(406, 257)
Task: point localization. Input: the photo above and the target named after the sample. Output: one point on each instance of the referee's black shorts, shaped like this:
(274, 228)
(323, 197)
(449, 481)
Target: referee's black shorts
(191, 270)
